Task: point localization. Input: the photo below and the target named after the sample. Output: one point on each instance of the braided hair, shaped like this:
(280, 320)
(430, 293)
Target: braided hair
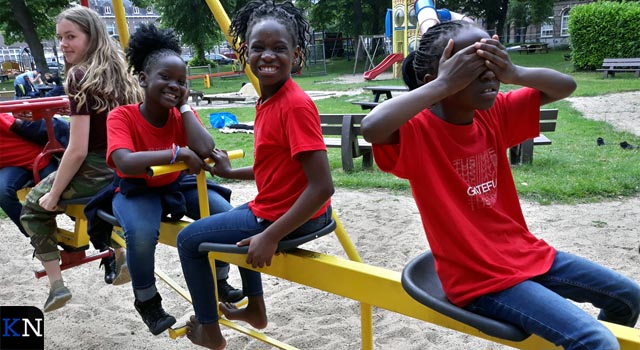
(284, 13)
(432, 44)
(148, 44)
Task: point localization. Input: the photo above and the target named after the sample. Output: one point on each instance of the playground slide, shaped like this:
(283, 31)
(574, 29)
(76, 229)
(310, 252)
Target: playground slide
(382, 66)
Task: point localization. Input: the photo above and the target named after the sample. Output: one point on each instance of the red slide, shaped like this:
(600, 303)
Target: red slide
(383, 66)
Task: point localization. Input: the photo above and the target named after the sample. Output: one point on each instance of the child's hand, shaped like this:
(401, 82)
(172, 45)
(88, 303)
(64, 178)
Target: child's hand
(192, 160)
(184, 92)
(459, 70)
(261, 250)
(222, 165)
(496, 59)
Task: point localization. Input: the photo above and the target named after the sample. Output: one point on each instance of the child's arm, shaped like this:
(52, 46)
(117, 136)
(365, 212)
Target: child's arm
(136, 163)
(454, 74)
(72, 159)
(552, 84)
(198, 138)
(263, 246)
(223, 167)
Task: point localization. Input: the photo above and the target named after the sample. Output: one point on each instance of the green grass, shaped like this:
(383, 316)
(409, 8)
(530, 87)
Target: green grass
(573, 169)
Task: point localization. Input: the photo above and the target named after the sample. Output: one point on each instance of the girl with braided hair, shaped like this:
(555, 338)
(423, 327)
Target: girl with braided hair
(290, 168)
(162, 129)
(449, 137)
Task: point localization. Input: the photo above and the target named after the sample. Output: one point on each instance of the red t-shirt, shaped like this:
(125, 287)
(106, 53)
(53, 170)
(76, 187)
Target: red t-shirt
(286, 124)
(127, 128)
(16, 150)
(463, 187)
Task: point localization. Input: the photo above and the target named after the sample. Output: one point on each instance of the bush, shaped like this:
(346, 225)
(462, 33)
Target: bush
(604, 30)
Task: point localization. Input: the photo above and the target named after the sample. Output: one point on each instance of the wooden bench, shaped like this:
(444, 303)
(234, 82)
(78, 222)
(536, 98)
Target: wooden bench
(7, 95)
(350, 141)
(196, 96)
(534, 48)
(366, 104)
(612, 65)
(523, 153)
(227, 98)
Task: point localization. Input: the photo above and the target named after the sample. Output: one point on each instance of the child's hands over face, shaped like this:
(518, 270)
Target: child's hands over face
(261, 250)
(222, 165)
(459, 70)
(496, 59)
(192, 160)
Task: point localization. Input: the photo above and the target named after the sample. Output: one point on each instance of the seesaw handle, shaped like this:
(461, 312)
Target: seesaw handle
(171, 168)
(178, 332)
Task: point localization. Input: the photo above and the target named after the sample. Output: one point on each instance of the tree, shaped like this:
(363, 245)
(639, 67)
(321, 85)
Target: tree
(193, 21)
(31, 24)
(523, 13)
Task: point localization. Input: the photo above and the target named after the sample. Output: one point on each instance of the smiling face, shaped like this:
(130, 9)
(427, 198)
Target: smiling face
(481, 93)
(271, 53)
(74, 42)
(165, 82)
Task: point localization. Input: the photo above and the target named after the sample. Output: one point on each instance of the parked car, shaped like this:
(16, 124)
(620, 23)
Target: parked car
(55, 67)
(229, 53)
(220, 59)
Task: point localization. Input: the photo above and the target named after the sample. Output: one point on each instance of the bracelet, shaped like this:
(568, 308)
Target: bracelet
(185, 108)
(174, 155)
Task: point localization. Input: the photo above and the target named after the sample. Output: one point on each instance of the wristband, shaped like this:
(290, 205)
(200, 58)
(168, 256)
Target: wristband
(184, 108)
(175, 153)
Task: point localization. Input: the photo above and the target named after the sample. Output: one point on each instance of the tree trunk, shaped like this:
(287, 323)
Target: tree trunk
(357, 18)
(25, 20)
(502, 18)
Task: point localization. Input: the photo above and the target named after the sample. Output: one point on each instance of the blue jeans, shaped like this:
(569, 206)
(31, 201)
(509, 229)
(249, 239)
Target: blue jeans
(228, 228)
(13, 179)
(539, 306)
(140, 218)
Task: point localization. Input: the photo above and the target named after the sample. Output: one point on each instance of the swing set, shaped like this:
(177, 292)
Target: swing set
(415, 292)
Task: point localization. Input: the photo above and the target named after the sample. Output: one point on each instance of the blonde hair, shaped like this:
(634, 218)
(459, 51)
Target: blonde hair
(106, 76)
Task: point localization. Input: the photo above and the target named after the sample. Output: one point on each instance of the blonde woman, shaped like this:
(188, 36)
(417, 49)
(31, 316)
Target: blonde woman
(97, 81)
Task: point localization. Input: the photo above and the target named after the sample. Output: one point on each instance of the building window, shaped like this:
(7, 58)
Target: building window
(111, 29)
(136, 10)
(564, 24)
(107, 10)
(150, 10)
(546, 29)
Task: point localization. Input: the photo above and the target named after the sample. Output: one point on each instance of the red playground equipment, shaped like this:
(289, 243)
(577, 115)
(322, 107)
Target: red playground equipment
(382, 66)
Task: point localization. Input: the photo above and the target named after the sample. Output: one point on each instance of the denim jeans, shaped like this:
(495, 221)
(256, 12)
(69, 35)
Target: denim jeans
(228, 228)
(140, 218)
(13, 179)
(539, 306)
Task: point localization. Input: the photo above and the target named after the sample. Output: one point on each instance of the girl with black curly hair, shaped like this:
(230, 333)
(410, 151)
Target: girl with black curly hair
(162, 129)
(290, 168)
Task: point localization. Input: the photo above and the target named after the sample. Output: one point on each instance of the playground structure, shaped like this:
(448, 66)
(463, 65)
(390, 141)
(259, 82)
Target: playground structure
(405, 22)
(350, 278)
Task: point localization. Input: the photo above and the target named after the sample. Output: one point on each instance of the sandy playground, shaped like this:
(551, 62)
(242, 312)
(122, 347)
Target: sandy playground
(386, 230)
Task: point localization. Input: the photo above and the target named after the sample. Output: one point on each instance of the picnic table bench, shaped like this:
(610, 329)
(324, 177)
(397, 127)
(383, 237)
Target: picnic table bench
(533, 48)
(523, 153)
(4, 77)
(222, 97)
(350, 141)
(196, 96)
(377, 91)
(612, 65)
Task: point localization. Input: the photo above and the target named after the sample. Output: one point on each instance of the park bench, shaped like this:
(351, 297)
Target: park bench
(533, 48)
(612, 65)
(523, 153)
(196, 96)
(366, 104)
(350, 141)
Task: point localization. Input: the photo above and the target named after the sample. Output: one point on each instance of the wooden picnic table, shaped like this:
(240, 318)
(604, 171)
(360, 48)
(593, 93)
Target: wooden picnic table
(384, 89)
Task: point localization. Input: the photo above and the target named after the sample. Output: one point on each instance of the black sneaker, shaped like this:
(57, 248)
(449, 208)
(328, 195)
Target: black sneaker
(154, 315)
(109, 264)
(228, 294)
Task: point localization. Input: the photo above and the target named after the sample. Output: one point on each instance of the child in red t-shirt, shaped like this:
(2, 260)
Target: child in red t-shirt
(449, 137)
(162, 129)
(290, 168)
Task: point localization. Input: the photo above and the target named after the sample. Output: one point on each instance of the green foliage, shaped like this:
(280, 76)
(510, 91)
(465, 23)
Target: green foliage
(604, 30)
(43, 13)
